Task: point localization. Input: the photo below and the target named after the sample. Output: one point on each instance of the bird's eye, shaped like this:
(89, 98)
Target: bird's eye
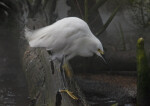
(101, 52)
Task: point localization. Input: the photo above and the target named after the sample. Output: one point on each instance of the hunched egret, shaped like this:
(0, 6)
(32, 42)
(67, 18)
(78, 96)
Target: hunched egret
(66, 38)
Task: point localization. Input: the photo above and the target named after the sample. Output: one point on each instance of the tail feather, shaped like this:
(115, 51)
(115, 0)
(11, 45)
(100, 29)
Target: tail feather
(36, 38)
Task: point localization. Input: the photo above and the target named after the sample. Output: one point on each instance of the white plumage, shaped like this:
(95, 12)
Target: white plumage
(67, 37)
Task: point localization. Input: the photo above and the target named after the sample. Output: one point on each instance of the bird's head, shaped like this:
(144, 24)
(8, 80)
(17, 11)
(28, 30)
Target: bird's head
(98, 50)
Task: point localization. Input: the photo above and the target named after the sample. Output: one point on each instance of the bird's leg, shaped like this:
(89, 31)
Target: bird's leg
(51, 61)
(67, 68)
(62, 72)
(61, 64)
(68, 71)
(62, 69)
(52, 66)
(50, 57)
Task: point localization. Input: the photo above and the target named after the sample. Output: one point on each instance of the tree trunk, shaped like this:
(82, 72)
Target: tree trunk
(44, 84)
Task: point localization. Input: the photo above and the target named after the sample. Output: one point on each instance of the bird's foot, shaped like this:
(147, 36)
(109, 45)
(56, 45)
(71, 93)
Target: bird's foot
(69, 93)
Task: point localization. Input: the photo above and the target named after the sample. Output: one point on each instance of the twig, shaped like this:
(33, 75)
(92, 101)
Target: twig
(79, 9)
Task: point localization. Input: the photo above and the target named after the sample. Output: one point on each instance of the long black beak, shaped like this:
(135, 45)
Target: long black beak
(104, 59)
(106, 63)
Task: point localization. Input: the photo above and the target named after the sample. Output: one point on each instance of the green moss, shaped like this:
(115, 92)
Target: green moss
(143, 74)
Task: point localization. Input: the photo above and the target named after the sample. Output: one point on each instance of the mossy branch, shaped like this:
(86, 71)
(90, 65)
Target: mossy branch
(143, 75)
(108, 21)
(141, 56)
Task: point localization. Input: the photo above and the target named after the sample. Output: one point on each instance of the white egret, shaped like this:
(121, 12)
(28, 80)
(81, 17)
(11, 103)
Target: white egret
(66, 38)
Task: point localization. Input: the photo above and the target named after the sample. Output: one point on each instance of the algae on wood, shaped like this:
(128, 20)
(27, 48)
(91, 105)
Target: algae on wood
(143, 76)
